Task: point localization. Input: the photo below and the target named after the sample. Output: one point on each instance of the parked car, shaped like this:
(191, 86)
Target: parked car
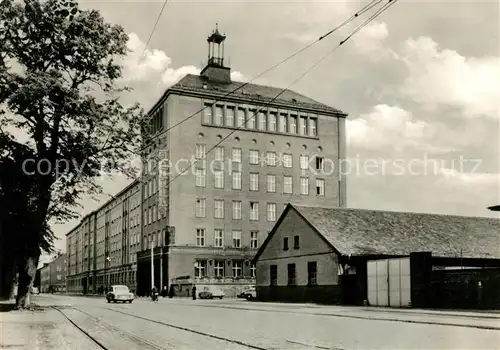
(119, 293)
(248, 293)
(35, 291)
(211, 292)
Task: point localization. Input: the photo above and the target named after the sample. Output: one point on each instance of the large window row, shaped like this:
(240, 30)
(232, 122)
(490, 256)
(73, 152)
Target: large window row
(219, 209)
(219, 240)
(223, 268)
(260, 119)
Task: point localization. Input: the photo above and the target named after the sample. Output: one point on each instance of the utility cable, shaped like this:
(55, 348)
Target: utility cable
(379, 12)
(142, 55)
(364, 9)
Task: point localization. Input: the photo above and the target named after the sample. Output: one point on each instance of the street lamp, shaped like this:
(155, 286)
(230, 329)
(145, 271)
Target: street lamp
(109, 274)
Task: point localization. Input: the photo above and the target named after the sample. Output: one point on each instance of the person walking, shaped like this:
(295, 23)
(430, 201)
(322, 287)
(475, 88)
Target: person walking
(194, 292)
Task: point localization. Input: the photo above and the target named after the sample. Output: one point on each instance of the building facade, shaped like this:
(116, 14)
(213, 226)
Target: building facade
(222, 160)
(328, 255)
(53, 275)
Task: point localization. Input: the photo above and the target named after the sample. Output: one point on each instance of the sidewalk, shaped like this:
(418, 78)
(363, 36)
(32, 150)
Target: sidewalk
(42, 328)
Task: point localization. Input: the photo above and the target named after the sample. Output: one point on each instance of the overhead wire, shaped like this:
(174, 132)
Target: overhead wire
(364, 9)
(141, 56)
(361, 26)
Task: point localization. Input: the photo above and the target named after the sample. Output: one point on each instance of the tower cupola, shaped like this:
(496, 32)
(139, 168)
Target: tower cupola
(215, 69)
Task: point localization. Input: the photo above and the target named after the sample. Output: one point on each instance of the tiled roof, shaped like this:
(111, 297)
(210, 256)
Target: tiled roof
(359, 232)
(257, 93)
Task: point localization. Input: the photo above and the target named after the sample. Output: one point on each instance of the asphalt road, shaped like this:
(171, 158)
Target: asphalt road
(239, 324)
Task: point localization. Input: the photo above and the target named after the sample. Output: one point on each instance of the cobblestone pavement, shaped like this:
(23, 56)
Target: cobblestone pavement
(189, 324)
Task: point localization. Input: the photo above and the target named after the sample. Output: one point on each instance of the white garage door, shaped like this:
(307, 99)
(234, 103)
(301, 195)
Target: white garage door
(389, 282)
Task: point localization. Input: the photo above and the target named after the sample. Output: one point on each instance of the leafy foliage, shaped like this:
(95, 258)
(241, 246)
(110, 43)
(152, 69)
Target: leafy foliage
(59, 66)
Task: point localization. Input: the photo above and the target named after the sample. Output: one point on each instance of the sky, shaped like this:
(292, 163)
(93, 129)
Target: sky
(420, 84)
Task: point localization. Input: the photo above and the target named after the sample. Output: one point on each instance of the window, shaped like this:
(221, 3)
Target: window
(272, 122)
(236, 180)
(200, 177)
(287, 160)
(254, 182)
(200, 207)
(271, 211)
(312, 273)
(254, 157)
(230, 116)
(251, 119)
(237, 239)
(241, 118)
(271, 183)
(219, 112)
(319, 163)
(291, 275)
(219, 154)
(273, 274)
(285, 243)
(219, 238)
(236, 210)
(254, 239)
(296, 242)
(254, 211)
(200, 268)
(219, 179)
(207, 113)
(155, 213)
(236, 155)
(219, 209)
(253, 270)
(287, 184)
(303, 126)
(293, 124)
(283, 123)
(150, 215)
(320, 187)
(237, 268)
(201, 150)
(262, 121)
(313, 126)
(271, 158)
(304, 161)
(200, 237)
(304, 186)
(219, 268)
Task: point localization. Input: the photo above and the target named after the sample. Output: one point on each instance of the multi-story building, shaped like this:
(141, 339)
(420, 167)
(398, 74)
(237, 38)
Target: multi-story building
(102, 248)
(223, 160)
(254, 151)
(53, 275)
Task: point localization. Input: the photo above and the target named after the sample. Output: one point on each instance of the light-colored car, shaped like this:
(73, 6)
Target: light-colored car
(211, 292)
(119, 293)
(35, 290)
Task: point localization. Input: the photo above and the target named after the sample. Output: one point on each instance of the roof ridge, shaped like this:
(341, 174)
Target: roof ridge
(396, 212)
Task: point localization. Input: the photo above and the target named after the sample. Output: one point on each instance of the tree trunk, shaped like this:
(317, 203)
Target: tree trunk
(27, 275)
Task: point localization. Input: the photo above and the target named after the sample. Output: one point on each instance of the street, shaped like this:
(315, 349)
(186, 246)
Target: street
(239, 324)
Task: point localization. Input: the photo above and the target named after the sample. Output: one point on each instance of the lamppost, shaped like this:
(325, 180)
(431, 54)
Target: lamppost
(494, 208)
(109, 274)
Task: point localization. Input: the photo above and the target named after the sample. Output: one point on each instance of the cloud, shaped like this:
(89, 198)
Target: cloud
(371, 38)
(389, 126)
(453, 176)
(446, 78)
(156, 65)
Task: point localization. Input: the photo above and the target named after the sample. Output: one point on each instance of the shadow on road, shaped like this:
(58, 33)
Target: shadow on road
(4, 307)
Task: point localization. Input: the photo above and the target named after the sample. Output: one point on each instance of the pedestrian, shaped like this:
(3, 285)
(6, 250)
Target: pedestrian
(171, 291)
(164, 292)
(194, 292)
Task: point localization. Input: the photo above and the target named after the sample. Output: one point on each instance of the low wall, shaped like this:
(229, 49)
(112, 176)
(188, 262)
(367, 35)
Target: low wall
(329, 294)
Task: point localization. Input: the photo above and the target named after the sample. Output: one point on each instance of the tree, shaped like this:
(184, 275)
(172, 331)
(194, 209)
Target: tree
(59, 71)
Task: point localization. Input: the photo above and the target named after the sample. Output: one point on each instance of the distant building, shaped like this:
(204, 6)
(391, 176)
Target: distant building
(53, 275)
(347, 256)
